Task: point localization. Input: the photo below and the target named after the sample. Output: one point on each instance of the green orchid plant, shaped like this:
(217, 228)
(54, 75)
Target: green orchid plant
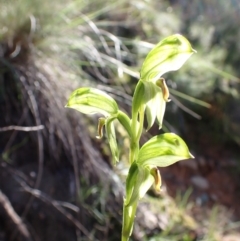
(149, 100)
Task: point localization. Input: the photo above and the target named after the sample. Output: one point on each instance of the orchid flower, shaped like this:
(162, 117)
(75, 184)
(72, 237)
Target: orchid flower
(150, 97)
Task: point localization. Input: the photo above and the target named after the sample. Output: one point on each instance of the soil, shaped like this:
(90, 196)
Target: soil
(213, 175)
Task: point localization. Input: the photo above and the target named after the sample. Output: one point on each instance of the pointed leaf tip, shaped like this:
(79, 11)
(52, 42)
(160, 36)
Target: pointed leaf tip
(168, 55)
(163, 150)
(191, 156)
(91, 101)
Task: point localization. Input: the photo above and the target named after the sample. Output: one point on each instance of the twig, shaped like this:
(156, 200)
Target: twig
(184, 108)
(34, 108)
(58, 206)
(21, 128)
(15, 218)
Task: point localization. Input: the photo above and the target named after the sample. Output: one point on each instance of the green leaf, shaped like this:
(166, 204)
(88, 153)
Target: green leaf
(139, 180)
(163, 150)
(168, 55)
(111, 136)
(130, 181)
(92, 101)
(125, 122)
(143, 183)
(137, 105)
(138, 99)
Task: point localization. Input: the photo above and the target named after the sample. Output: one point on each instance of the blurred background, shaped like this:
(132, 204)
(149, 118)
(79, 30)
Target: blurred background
(56, 178)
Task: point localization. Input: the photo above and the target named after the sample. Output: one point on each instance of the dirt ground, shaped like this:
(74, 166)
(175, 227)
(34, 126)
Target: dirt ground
(213, 175)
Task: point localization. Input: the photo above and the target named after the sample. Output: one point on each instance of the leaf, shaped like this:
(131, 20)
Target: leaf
(130, 181)
(168, 55)
(138, 98)
(92, 101)
(125, 122)
(111, 136)
(137, 106)
(139, 180)
(144, 182)
(163, 150)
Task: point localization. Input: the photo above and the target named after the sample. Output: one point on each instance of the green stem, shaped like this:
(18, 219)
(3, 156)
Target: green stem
(131, 153)
(136, 132)
(128, 221)
(134, 145)
(141, 120)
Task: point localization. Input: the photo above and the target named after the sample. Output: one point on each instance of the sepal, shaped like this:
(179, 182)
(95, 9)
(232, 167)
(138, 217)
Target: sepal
(168, 55)
(91, 101)
(163, 150)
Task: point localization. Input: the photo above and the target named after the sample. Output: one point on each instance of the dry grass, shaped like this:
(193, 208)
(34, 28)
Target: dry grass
(38, 70)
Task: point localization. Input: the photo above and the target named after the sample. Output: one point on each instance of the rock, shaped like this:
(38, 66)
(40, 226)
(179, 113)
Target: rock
(231, 237)
(189, 163)
(200, 182)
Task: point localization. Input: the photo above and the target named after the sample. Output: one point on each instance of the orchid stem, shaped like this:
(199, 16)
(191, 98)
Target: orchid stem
(128, 220)
(141, 121)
